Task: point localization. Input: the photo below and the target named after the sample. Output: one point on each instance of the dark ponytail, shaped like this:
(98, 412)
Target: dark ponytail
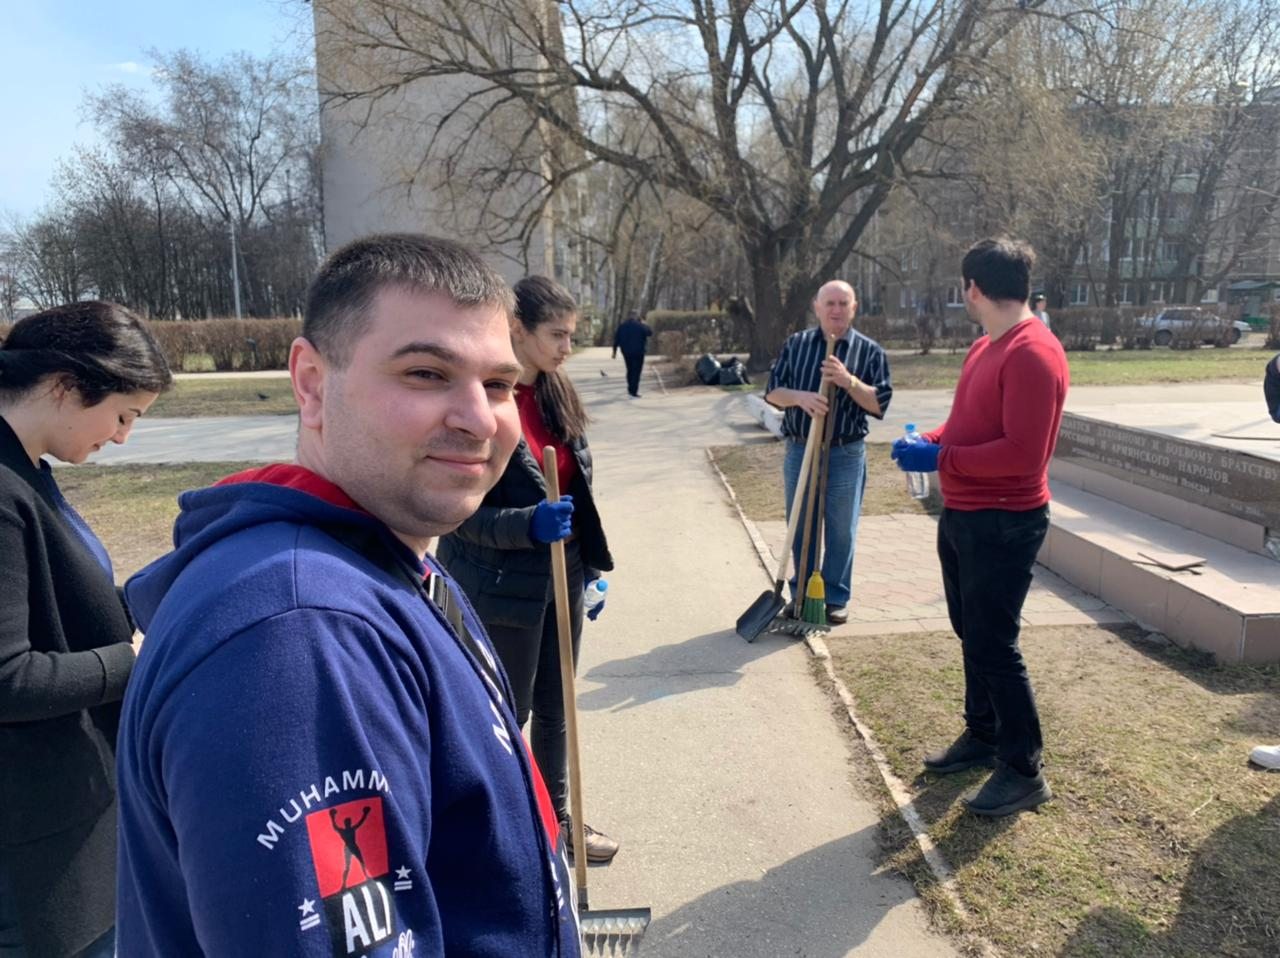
(96, 348)
(538, 300)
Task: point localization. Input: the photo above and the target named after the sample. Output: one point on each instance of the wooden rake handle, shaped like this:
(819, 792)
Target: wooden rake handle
(810, 480)
(560, 580)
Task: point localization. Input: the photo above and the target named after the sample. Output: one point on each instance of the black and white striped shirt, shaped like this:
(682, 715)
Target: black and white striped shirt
(800, 367)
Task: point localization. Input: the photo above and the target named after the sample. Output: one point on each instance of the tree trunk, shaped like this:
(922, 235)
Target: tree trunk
(776, 315)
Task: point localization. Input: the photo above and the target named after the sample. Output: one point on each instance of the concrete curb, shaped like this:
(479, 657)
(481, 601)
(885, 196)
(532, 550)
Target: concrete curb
(897, 790)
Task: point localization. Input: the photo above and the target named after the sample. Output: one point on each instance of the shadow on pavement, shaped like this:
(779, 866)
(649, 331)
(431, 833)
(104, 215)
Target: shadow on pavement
(713, 660)
(820, 905)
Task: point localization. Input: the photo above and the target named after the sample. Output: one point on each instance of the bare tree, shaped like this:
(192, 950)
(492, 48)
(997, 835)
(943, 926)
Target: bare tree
(231, 138)
(791, 120)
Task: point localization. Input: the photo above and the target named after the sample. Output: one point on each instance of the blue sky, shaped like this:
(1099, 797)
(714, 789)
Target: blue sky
(52, 51)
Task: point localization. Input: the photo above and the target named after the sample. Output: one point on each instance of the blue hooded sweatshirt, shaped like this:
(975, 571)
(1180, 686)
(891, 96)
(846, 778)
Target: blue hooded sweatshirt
(312, 760)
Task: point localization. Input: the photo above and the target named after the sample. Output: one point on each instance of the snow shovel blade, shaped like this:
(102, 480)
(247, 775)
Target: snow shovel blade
(614, 932)
(760, 613)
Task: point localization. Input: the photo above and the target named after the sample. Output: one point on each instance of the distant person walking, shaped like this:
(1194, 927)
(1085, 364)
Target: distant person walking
(992, 459)
(1038, 310)
(632, 338)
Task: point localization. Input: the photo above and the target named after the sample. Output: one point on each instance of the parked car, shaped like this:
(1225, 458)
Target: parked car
(1190, 322)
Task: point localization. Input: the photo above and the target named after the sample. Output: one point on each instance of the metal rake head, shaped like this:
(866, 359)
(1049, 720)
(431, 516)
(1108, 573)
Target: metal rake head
(614, 933)
(799, 628)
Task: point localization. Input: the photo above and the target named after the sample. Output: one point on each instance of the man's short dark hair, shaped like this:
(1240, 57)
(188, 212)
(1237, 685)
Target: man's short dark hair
(341, 296)
(1001, 267)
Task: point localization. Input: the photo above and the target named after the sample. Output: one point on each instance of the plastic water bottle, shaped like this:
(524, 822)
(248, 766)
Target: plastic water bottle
(596, 590)
(917, 482)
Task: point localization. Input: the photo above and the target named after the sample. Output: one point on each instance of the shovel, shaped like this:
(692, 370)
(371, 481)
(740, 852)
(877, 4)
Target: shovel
(617, 931)
(769, 603)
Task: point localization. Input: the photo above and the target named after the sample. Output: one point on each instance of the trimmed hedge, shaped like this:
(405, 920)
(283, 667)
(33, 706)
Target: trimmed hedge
(231, 344)
(705, 331)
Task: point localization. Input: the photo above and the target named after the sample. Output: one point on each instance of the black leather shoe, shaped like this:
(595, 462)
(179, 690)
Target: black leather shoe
(964, 752)
(1008, 791)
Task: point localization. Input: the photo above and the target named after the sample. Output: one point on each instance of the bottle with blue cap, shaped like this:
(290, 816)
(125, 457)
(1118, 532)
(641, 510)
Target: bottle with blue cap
(595, 595)
(917, 482)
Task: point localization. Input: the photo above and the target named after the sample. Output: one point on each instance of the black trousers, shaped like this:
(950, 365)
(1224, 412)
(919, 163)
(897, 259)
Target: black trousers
(635, 366)
(532, 660)
(986, 559)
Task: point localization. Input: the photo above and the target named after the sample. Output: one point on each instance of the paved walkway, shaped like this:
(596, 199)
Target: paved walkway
(897, 582)
(719, 764)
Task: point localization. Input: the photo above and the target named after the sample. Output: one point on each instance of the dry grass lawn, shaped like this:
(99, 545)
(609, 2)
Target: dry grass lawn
(223, 396)
(1160, 842)
(132, 507)
(755, 472)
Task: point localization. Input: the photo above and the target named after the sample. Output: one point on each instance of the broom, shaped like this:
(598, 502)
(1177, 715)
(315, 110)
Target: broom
(617, 931)
(803, 566)
(815, 595)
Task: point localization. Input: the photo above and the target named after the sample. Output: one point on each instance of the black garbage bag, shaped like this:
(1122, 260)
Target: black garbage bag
(733, 373)
(708, 369)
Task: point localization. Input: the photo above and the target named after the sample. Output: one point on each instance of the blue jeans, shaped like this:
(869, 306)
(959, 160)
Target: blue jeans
(846, 480)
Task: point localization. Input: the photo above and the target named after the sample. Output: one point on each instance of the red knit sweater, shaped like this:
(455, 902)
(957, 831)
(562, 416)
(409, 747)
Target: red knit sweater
(999, 437)
(538, 436)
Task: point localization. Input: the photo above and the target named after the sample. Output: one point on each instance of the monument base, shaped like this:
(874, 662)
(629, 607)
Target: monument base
(1179, 534)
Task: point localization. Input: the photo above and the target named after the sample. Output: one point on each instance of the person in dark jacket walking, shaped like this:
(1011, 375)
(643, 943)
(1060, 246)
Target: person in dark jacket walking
(72, 379)
(318, 755)
(632, 338)
(501, 556)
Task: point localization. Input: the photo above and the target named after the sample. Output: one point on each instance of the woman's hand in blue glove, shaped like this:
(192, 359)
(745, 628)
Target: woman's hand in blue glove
(899, 444)
(552, 521)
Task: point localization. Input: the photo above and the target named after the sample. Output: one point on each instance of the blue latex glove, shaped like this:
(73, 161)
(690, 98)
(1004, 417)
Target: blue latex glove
(595, 613)
(552, 521)
(919, 457)
(899, 444)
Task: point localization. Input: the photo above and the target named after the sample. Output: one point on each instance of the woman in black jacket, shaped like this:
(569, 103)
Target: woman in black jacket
(72, 379)
(501, 555)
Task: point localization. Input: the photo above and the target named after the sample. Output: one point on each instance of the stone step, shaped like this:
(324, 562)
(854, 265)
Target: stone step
(1229, 607)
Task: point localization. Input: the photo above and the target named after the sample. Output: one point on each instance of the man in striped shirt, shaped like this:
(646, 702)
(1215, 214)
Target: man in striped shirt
(859, 373)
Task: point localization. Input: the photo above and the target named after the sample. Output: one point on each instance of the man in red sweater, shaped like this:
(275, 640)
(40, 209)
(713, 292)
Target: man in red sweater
(992, 459)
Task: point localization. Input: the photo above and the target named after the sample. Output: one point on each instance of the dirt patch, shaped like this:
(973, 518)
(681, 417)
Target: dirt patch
(132, 508)
(754, 470)
(1161, 841)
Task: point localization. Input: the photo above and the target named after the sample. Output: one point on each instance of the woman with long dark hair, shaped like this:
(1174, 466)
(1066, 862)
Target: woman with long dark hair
(72, 379)
(502, 557)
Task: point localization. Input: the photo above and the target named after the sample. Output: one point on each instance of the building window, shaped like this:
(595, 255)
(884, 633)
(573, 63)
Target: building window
(1126, 294)
(902, 297)
(953, 296)
(1080, 294)
(1210, 296)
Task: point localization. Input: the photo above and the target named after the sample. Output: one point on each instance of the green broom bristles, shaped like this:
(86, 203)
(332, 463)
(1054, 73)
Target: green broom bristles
(815, 601)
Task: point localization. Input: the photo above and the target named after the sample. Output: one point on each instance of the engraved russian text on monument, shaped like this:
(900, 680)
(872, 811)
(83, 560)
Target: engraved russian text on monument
(1225, 480)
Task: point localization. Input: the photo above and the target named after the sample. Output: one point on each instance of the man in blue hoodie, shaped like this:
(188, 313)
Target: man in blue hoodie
(318, 754)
